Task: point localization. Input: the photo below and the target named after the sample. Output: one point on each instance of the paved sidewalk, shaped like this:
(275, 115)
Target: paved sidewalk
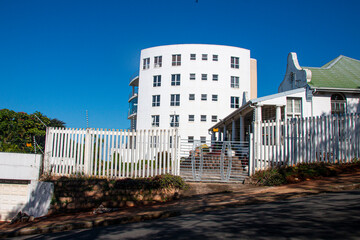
(246, 194)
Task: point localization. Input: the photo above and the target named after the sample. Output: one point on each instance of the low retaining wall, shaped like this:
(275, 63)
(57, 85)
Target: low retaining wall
(84, 195)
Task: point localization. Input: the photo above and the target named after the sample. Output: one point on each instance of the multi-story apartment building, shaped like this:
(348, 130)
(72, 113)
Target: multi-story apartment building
(190, 87)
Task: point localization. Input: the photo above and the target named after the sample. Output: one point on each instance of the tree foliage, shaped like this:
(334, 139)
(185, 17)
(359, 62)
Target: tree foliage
(18, 129)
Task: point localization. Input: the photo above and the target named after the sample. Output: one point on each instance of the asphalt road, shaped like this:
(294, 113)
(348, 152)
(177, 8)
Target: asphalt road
(324, 216)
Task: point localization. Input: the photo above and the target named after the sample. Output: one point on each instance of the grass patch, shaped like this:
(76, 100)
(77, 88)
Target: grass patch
(291, 174)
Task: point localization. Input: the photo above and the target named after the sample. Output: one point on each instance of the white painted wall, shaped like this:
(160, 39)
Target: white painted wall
(20, 166)
(222, 88)
(317, 105)
(33, 198)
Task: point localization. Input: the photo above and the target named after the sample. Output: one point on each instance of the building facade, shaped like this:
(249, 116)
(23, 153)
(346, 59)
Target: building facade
(304, 92)
(190, 87)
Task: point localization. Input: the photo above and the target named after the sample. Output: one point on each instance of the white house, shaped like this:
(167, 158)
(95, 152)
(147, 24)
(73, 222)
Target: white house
(305, 92)
(190, 87)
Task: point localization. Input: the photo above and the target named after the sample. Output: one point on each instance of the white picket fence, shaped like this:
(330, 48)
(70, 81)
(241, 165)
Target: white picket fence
(304, 140)
(111, 153)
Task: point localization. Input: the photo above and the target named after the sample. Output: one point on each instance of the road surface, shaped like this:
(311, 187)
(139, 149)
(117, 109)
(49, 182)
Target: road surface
(324, 216)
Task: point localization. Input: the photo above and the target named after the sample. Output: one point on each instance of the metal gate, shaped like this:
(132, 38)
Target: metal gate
(214, 161)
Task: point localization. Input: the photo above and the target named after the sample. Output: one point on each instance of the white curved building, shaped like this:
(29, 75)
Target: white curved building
(191, 87)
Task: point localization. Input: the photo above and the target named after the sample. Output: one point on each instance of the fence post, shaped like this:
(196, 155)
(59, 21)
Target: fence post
(251, 155)
(87, 152)
(177, 151)
(48, 150)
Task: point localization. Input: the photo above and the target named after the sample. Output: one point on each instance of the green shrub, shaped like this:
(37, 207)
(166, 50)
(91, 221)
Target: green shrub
(301, 172)
(271, 177)
(164, 181)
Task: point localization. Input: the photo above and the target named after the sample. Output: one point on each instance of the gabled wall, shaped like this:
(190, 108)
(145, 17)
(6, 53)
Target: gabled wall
(295, 76)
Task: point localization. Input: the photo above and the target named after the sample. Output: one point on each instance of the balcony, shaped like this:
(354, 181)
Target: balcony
(132, 112)
(133, 94)
(134, 80)
(133, 108)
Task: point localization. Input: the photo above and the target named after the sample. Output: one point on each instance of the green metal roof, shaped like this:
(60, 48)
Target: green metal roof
(342, 72)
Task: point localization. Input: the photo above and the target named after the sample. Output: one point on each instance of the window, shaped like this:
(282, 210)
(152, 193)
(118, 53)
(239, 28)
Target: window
(234, 82)
(192, 56)
(175, 100)
(203, 139)
(215, 77)
(215, 58)
(190, 139)
(157, 81)
(204, 57)
(234, 62)
(234, 102)
(176, 59)
(146, 63)
(214, 97)
(338, 104)
(293, 107)
(174, 120)
(191, 97)
(191, 118)
(203, 97)
(203, 76)
(158, 61)
(214, 118)
(203, 118)
(155, 120)
(175, 79)
(192, 76)
(156, 100)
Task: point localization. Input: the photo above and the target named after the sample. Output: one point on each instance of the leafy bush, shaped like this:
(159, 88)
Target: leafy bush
(301, 172)
(271, 177)
(164, 181)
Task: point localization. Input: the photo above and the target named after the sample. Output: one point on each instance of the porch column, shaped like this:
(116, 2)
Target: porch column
(213, 137)
(224, 133)
(258, 115)
(242, 128)
(233, 130)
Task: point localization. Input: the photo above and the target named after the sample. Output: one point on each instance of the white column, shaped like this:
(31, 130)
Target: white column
(241, 128)
(258, 113)
(233, 130)
(213, 137)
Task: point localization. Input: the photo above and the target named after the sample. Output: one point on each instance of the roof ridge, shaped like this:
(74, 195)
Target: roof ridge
(350, 58)
(333, 62)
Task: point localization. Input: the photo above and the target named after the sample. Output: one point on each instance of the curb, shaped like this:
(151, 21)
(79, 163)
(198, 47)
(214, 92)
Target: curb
(103, 221)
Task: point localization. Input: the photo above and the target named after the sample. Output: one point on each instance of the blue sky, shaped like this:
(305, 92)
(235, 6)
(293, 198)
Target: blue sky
(65, 57)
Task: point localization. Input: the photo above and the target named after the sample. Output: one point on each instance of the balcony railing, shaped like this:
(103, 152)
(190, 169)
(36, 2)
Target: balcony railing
(132, 110)
(134, 92)
(134, 76)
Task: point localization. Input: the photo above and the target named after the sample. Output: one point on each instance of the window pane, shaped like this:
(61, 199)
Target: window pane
(297, 105)
(289, 105)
